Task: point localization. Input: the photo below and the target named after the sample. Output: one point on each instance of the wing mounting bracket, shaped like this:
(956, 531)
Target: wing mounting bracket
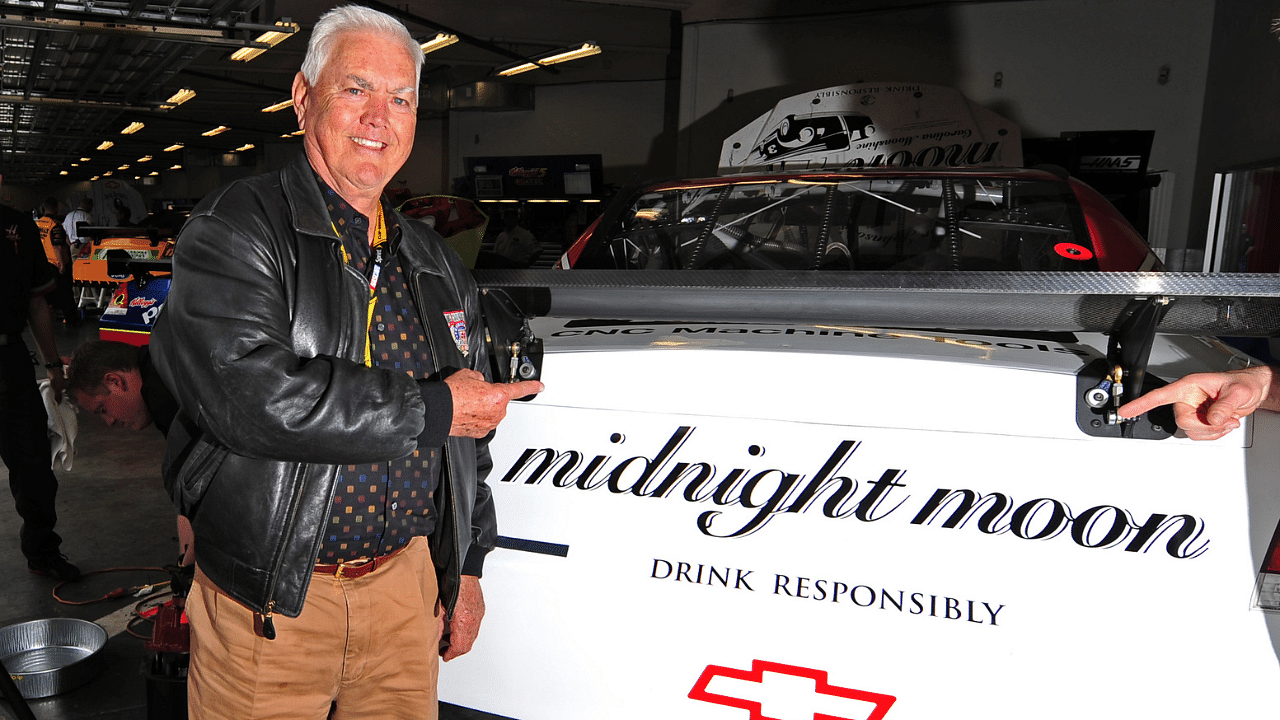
(515, 353)
(1103, 386)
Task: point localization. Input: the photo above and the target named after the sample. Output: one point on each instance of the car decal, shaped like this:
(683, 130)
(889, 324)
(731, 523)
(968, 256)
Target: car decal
(827, 701)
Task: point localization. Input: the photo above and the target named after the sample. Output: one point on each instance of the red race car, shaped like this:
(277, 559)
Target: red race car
(892, 218)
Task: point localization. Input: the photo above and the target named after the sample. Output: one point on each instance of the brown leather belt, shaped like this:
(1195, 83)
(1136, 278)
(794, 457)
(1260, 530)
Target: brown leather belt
(359, 567)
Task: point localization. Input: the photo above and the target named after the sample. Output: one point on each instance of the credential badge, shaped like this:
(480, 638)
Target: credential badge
(458, 328)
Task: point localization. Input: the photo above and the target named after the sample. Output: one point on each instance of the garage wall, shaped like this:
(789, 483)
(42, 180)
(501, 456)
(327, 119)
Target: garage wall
(622, 122)
(426, 171)
(1241, 125)
(1066, 64)
(19, 198)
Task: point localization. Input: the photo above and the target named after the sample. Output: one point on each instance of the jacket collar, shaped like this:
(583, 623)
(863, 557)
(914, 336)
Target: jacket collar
(306, 203)
(309, 210)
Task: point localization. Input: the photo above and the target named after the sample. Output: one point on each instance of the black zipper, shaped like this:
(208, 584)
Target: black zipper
(269, 627)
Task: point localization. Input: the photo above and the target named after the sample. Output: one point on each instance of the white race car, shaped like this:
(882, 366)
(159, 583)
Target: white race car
(841, 444)
(760, 491)
(745, 520)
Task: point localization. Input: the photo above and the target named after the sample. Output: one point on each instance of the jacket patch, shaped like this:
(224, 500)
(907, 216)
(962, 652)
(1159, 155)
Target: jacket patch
(457, 328)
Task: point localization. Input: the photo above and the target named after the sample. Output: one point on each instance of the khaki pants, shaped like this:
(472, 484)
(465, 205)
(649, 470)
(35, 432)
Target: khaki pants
(370, 644)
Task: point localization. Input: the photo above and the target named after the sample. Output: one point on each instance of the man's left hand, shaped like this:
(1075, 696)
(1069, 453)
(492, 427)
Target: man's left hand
(467, 614)
(57, 382)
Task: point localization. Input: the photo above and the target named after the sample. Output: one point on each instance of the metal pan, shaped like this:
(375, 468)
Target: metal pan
(51, 656)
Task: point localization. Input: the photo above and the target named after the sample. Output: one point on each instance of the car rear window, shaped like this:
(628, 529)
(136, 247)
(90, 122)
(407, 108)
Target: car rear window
(931, 223)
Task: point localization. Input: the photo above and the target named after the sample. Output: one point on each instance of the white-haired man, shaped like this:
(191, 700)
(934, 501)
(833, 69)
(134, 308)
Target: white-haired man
(328, 357)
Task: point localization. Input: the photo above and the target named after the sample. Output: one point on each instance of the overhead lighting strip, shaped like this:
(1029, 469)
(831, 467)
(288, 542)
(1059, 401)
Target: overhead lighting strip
(441, 40)
(271, 38)
(178, 98)
(586, 49)
(278, 106)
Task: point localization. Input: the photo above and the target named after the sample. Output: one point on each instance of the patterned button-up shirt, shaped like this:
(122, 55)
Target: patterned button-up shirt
(378, 507)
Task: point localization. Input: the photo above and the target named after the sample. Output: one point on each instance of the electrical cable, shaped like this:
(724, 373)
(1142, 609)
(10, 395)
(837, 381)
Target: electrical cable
(114, 594)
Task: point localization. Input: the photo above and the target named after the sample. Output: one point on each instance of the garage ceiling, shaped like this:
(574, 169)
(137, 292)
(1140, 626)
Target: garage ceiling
(77, 72)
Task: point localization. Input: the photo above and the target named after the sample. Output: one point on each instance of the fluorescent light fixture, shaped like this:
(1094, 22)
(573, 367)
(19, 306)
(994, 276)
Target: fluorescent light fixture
(75, 164)
(278, 106)
(106, 145)
(242, 148)
(64, 172)
(585, 50)
(274, 37)
(123, 167)
(107, 173)
(271, 38)
(84, 159)
(144, 158)
(176, 167)
(178, 98)
(153, 173)
(555, 56)
(216, 131)
(95, 177)
(132, 128)
(294, 134)
(441, 40)
(517, 69)
(175, 146)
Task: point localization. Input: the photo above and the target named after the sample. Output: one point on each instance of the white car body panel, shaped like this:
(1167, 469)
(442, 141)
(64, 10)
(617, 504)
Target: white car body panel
(991, 625)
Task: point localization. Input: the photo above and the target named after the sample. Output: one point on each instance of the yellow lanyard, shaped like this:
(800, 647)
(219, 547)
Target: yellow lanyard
(375, 258)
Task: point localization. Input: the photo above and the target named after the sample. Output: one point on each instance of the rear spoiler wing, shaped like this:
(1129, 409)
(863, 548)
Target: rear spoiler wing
(1131, 307)
(122, 266)
(153, 234)
(1235, 304)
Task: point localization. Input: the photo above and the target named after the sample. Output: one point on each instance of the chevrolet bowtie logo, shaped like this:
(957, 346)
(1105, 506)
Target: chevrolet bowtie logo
(773, 691)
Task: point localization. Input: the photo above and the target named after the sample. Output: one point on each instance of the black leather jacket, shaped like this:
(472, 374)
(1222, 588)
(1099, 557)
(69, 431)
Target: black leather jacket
(262, 339)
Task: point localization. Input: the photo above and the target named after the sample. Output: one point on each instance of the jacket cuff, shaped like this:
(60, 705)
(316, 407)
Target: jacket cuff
(439, 417)
(474, 562)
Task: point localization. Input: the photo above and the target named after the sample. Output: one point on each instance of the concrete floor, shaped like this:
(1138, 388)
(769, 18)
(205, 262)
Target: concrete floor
(112, 513)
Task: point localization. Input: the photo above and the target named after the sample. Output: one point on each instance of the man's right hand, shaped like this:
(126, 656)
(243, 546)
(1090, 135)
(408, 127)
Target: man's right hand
(479, 405)
(1209, 405)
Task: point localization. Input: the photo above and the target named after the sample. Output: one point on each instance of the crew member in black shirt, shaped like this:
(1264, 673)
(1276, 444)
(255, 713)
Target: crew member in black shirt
(26, 279)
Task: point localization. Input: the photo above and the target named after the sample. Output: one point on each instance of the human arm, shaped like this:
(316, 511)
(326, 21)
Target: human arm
(252, 342)
(467, 614)
(1207, 406)
(61, 247)
(40, 319)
